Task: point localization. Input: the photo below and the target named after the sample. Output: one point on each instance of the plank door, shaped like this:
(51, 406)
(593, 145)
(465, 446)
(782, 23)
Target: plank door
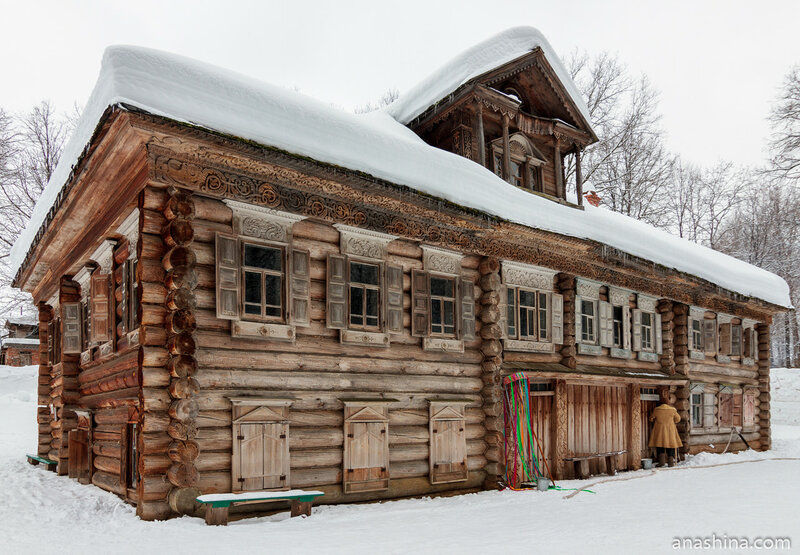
(648, 402)
(542, 426)
(366, 456)
(262, 456)
(597, 423)
(78, 446)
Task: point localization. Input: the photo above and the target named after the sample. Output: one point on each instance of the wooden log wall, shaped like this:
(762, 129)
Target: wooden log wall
(764, 400)
(565, 284)
(492, 375)
(316, 369)
(680, 319)
(43, 413)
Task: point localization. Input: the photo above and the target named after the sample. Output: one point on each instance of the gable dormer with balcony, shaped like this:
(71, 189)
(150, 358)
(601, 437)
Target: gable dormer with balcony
(519, 120)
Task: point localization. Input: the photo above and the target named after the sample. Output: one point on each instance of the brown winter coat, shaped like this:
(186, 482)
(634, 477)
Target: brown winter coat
(665, 434)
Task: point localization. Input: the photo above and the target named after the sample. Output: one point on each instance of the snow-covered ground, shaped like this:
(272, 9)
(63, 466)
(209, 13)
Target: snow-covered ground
(750, 494)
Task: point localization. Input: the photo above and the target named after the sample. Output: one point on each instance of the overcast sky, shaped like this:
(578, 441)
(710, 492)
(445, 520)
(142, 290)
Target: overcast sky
(718, 65)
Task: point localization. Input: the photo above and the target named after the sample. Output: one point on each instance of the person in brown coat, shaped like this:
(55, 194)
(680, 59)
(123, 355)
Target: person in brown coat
(664, 436)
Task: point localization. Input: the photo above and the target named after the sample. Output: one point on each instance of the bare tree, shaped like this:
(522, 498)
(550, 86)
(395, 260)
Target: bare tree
(30, 147)
(386, 98)
(785, 117)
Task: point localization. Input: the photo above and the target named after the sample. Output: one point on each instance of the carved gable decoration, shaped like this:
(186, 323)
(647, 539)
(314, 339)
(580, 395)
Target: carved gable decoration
(527, 275)
(588, 289)
(363, 242)
(697, 313)
(619, 297)
(439, 260)
(646, 302)
(261, 222)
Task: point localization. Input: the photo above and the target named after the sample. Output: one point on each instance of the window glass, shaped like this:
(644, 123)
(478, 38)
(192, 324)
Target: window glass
(511, 312)
(364, 295)
(265, 258)
(587, 321)
(697, 335)
(543, 335)
(498, 164)
(442, 306)
(647, 330)
(364, 273)
(697, 409)
(617, 326)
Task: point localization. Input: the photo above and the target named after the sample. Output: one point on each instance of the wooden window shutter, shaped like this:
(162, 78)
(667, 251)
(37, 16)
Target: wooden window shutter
(710, 337)
(336, 310)
(725, 339)
(657, 333)
(262, 455)
(300, 287)
(72, 328)
(605, 324)
(448, 456)
(637, 329)
(467, 289)
(709, 404)
(726, 409)
(626, 328)
(394, 298)
(51, 342)
(737, 409)
(366, 449)
(100, 308)
(228, 282)
(557, 318)
(578, 319)
(503, 307)
(124, 292)
(754, 344)
(736, 340)
(747, 343)
(749, 409)
(420, 303)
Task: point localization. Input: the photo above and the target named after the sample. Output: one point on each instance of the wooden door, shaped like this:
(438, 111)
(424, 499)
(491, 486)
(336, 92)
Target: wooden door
(597, 422)
(542, 428)
(648, 397)
(78, 446)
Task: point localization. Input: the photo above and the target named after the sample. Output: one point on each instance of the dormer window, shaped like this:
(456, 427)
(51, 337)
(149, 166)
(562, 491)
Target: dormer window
(525, 163)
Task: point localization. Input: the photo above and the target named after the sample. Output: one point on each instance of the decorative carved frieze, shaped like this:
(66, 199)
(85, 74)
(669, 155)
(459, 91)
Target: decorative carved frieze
(585, 349)
(363, 242)
(648, 357)
(83, 277)
(588, 289)
(615, 352)
(527, 275)
(723, 318)
(697, 312)
(129, 229)
(528, 346)
(266, 331)
(435, 259)
(646, 302)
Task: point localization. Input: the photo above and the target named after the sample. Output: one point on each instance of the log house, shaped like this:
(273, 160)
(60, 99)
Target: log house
(222, 315)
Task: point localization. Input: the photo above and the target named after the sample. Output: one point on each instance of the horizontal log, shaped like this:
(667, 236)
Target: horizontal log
(107, 464)
(107, 449)
(108, 481)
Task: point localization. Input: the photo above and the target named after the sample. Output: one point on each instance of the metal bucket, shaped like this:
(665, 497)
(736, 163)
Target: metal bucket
(647, 464)
(542, 484)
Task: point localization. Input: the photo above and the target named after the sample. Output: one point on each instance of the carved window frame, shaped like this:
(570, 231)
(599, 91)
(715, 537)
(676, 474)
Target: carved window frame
(618, 298)
(103, 260)
(264, 227)
(696, 348)
(131, 286)
(368, 247)
(531, 162)
(646, 304)
(444, 263)
(538, 280)
(589, 291)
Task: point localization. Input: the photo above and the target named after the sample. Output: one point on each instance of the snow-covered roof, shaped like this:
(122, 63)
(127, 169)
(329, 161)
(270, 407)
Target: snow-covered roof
(19, 341)
(375, 143)
(482, 58)
(24, 320)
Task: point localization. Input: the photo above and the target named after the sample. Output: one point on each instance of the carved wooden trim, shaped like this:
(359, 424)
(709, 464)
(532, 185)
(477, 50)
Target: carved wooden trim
(697, 312)
(443, 261)
(242, 328)
(445, 345)
(129, 228)
(528, 346)
(646, 302)
(723, 318)
(588, 289)
(366, 243)
(357, 337)
(618, 296)
(103, 256)
(262, 223)
(527, 275)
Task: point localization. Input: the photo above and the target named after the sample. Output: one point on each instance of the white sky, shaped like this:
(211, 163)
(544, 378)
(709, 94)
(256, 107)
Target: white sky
(718, 65)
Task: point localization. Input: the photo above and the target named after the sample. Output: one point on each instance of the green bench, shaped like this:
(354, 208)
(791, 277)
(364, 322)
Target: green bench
(48, 464)
(218, 504)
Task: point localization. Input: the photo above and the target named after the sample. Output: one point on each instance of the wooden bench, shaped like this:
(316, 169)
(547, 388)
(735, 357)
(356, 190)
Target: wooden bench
(581, 463)
(218, 504)
(48, 464)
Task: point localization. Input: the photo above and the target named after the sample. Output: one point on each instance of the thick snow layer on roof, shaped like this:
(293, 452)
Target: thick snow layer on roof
(375, 143)
(19, 341)
(24, 320)
(482, 58)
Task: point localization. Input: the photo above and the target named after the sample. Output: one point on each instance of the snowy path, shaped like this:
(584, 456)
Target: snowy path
(624, 515)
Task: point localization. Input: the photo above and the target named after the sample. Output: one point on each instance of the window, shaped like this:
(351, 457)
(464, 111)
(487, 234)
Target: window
(697, 409)
(528, 314)
(133, 294)
(617, 326)
(517, 175)
(736, 341)
(498, 164)
(588, 331)
(696, 335)
(262, 270)
(262, 283)
(647, 331)
(710, 337)
(443, 306)
(132, 456)
(725, 335)
(86, 328)
(365, 292)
